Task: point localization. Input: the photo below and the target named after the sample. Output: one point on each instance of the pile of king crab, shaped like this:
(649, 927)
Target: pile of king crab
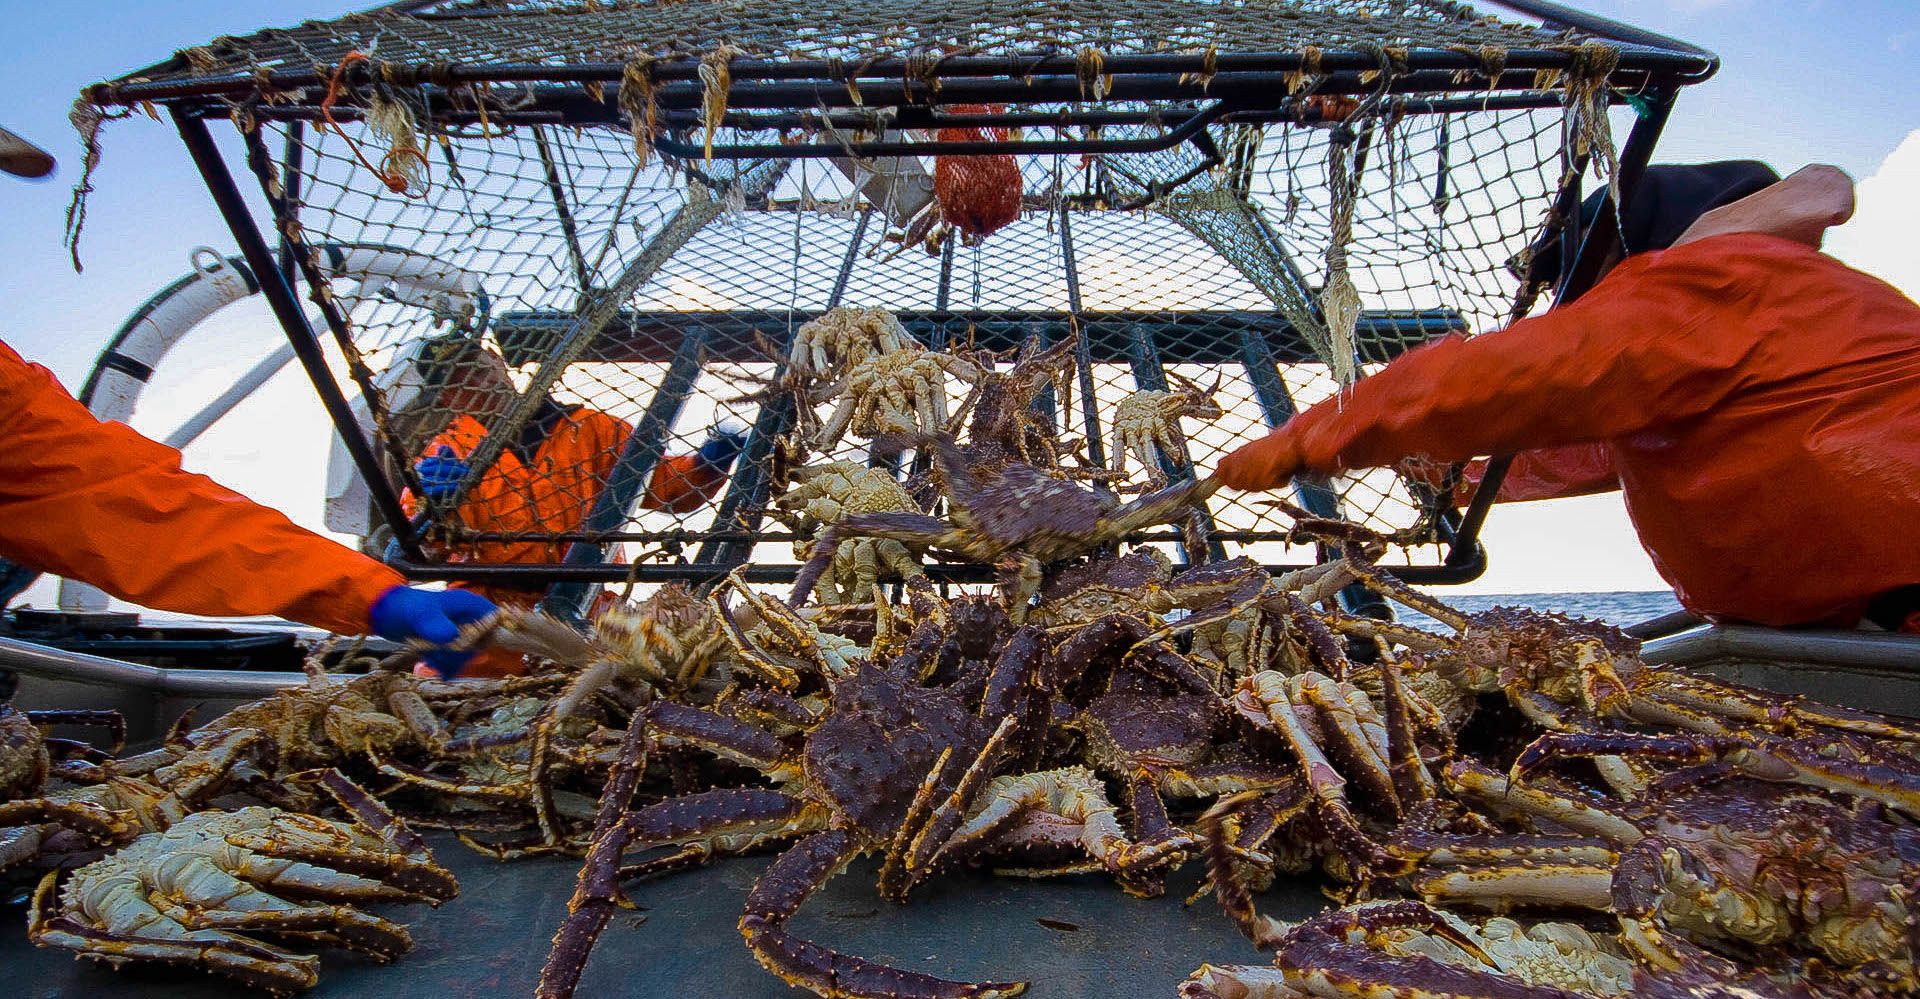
(1513, 807)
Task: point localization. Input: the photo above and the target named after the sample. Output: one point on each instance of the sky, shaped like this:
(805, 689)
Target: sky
(1803, 81)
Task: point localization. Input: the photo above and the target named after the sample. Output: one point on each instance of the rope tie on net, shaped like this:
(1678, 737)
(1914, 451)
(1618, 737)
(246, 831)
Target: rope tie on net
(717, 79)
(404, 162)
(1090, 66)
(638, 104)
(1339, 299)
(87, 119)
(1586, 132)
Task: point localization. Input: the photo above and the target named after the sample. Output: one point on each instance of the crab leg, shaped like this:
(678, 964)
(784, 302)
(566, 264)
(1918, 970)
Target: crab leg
(112, 721)
(1317, 958)
(1503, 885)
(1346, 720)
(1835, 763)
(342, 925)
(1411, 780)
(778, 895)
(1263, 699)
(724, 820)
(1505, 796)
(927, 840)
(596, 893)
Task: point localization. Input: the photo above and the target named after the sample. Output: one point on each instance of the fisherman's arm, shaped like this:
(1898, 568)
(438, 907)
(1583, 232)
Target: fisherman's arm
(1650, 345)
(99, 503)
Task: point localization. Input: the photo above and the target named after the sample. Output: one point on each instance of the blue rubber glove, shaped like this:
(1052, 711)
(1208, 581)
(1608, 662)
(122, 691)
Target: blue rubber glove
(441, 474)
(404, 613)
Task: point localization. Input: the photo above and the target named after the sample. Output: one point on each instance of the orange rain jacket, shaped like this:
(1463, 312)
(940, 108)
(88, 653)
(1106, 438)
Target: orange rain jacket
(99, 503)
(1757, 402)
(551, 490)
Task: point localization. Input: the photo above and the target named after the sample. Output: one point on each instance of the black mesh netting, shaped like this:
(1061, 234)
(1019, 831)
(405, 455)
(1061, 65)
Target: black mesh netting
(550, 33)
(1217, 281)
(560, 309)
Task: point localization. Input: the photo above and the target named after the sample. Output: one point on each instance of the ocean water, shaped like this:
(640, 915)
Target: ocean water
(1618, 608)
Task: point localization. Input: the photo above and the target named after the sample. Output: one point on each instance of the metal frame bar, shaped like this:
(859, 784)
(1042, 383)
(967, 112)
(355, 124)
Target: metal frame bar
(564, 111)
(293, 318)
(564, 212)
(654, 335)
(873, 77)
(1082, 346)
(292, 165)
(707, 570)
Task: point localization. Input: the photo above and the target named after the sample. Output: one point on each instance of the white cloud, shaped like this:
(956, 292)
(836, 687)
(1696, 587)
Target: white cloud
(1879, 240)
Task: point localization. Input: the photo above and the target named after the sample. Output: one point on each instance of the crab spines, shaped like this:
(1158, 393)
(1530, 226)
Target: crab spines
(368, 811)
(1013, 688)
(1223, 870)
(947, 816)
(1501, 794)
(1388, 585)
(102, 825)
(1679, 747)
(596, 888)
(778, 895)
(1505, 885)
(1411, 781)
(1162, 506)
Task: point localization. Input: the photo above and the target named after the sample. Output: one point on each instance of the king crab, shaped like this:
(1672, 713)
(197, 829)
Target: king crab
(1146, 425)
(1019, 520)
(830, 493)
(1708, 854)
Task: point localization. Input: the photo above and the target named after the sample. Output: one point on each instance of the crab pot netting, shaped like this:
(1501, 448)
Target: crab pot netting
(538, 216)
(1444, 203)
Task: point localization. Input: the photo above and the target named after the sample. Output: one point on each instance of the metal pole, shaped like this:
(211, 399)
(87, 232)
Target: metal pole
(30, 659)
(290, 174)
(293, 319)
(568, 230)
(244, 386)
(1082, 347)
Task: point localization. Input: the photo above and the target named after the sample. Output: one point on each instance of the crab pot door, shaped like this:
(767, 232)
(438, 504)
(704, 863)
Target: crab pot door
(1244, 206)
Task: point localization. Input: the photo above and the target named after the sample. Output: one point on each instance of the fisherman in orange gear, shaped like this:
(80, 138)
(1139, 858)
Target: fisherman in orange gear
(544, 482)
(1757, 402)
(99, 503)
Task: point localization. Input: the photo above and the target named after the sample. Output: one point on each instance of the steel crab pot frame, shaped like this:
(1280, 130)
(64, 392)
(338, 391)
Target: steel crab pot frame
(653, 201)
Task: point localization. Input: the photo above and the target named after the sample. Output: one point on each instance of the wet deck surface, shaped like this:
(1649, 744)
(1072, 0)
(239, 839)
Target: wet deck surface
(493, 939)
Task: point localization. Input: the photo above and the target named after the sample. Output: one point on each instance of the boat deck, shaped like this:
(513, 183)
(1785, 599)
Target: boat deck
(682, 942)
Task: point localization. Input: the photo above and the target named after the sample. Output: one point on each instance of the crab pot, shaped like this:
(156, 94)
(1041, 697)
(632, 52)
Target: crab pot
(634, 209)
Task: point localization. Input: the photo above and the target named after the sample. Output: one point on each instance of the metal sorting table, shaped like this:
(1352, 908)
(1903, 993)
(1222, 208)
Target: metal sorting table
(493, 939)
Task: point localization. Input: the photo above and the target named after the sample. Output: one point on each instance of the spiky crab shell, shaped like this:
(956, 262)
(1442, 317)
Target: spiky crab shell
(1800, 858)
(876, 746)
(1023, 505)
(1141, 720)
(1131, 575)
(23, 754)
